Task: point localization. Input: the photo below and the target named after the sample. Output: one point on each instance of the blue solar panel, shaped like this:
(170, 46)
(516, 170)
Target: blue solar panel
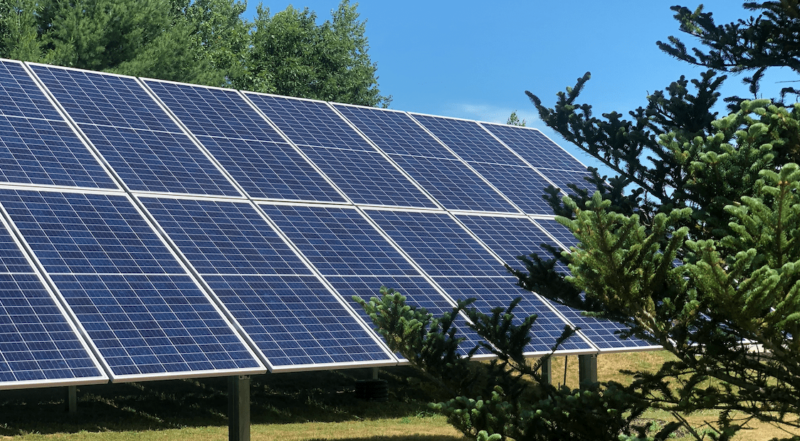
(469, 140)
(601, 332)
(417, 291)
(20, 96)
(96, 98)
(309, 122)
(560, 232)
(295, 320)
(438, 244)
(36, 151)
(563, 178)
(522, 185)
(214, 112)
(499, 292)
(158, 161)
(339, 241)
(535, 147)
(270, 170)
(510, 237)
(224, 237)
(148, 324)
(454, 185)
(367, 177)
(394, 132)
(36, 341)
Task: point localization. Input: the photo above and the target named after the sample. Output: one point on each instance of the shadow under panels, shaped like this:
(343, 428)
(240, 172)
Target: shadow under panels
(510, 237)
(39, 346)
(464, 269)
(357, 260)
(145, 316)
(37, 146)
(137, 138)
(282, 307)
(351, 163)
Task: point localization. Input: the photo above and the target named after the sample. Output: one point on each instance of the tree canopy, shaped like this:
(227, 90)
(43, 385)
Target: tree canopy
(202, 41)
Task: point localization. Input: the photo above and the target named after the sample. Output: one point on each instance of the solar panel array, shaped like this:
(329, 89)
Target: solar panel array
(153, 229)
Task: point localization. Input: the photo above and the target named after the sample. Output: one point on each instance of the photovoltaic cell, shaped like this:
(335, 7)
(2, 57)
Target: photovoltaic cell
(158, 161)
(602, 333)
(137, 304)
(453, 184)
(104, 99)
(522, 185)
(310, 123)
(295, 320)
(19, 95)
(535, 147)
(270, 170)
(563, 178)
(394, 132)
(44, 152)
(367, 177)
(560, 232)
(497, 292)
(438, 244)
(221, 113)
(224, 237)
(338, 241)
(469, 140)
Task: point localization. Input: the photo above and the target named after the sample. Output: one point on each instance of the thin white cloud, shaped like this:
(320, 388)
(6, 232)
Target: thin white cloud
(488, 113)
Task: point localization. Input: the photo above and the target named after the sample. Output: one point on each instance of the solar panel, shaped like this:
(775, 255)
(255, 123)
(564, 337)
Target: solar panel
(453, 184)
(437, 243)
(522, 185)
(602, 333)
(208, 111)
(158, 161)
(308, 122)
(494, 292)
(560, 232)
(469, 140)
(563, 178)
(394, 132)
(19, 95)
(38, 346)
(338, 241)
(367, 177)
(104, 99)
(141, 310)
(536, 148)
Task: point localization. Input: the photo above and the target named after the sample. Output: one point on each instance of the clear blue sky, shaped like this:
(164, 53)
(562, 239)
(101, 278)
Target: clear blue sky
(474, 60)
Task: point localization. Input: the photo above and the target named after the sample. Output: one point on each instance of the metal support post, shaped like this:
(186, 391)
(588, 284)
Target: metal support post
(547, 370)
(587, 369)
(374, 373)
(239, 408)
(71, 400)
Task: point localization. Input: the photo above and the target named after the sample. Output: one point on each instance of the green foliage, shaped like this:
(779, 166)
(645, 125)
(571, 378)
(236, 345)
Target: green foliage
(200, 41)
(506, 398)
(513, 120)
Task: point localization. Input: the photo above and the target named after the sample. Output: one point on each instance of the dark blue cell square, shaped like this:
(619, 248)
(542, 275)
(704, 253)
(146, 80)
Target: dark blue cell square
(469, 140)
(453, 184)
(224, 237)
(536, 148)
(437, 243)
(86, 233)
(20, 96)
(394, 132)
(338, 241)
(367, 177)
(295, 320)
(158, 161)
(104, 99)
(308, 122)
(154, 305)
(522, 185)
(499, 292)
(270, 170)
(31, 346)
(35, 151)
(214, 112)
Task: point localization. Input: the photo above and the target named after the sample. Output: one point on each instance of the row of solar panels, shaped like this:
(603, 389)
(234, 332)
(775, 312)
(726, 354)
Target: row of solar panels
(161, 230)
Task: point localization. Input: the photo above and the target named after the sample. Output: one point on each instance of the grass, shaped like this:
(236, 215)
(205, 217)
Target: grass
(291, 407)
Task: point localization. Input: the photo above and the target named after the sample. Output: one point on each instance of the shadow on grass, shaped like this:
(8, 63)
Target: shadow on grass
(400, 437)
(326, 396)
